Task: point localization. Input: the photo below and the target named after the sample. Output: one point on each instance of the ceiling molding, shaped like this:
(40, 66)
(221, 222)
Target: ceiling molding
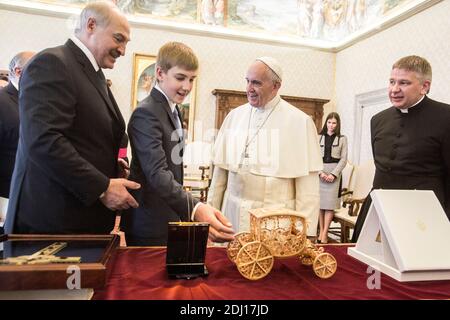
(390, 20)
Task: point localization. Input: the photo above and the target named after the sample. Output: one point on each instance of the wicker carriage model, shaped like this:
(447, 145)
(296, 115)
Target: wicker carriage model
(277, 233)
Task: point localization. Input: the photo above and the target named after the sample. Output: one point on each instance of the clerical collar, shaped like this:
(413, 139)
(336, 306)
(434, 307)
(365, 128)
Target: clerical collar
(171, 104)
(86, 51)
(415, 104)
(270, 105)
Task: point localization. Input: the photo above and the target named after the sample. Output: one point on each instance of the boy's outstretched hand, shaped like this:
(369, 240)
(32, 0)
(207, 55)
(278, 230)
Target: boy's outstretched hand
(220, 229)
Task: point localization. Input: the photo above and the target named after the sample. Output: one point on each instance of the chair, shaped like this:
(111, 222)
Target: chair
(360, 186)
(347, 181)
(346, 194)
(116, 230)
(197, 169)
(197, 184)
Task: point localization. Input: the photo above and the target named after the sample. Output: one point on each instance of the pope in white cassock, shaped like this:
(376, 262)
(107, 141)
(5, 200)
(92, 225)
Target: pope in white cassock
(266, 154)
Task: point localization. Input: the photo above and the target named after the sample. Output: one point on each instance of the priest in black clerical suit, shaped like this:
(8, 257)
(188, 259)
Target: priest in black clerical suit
(411, 139)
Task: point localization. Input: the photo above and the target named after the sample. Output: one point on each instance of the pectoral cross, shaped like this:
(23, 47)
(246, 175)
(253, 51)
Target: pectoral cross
(244, 159)
(43, 256)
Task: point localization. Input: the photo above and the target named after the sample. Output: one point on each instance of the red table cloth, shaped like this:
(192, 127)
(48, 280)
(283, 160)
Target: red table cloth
(139, 273)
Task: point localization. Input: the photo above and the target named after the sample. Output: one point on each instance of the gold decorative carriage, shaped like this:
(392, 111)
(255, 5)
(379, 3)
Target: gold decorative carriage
(277, 233)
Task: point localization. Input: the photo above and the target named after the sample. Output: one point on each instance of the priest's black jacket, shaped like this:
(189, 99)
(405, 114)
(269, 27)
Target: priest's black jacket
(411, 151)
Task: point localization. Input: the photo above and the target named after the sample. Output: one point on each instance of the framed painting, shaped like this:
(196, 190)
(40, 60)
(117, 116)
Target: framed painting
(142, 83)
(143, 77)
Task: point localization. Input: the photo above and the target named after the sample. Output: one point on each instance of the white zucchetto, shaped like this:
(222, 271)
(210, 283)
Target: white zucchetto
(273, 64)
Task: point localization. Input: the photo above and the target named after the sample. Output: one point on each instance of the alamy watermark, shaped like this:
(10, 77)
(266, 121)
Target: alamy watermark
(374, 280)
(74, 280)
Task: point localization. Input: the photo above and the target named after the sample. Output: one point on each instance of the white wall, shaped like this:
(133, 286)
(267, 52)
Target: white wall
(361, 68)
(223, 63)
(366, 66)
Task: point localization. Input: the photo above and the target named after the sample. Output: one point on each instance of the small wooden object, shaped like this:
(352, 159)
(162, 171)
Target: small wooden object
(92, 254)
(279, 233)
(186, 250)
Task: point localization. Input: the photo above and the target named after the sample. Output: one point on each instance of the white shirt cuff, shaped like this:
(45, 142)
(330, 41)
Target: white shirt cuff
(195, 209)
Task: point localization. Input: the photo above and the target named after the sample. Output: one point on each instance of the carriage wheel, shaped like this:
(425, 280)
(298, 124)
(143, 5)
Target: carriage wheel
(324, 265)
(239, 240)
(254, 261)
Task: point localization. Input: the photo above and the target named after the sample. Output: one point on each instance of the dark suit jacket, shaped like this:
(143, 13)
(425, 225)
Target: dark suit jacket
(68, 146)
(411, 151)
(9, 135)
(157, 165)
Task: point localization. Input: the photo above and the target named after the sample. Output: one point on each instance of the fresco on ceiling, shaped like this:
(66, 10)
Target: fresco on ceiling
(331, 20)
(314, 19)
(183, 10)
(179, 10)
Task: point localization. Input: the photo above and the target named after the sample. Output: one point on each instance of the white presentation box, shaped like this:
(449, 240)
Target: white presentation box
(406, 235)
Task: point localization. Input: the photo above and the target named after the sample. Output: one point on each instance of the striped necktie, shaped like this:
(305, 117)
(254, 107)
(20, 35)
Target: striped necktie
(177, 121)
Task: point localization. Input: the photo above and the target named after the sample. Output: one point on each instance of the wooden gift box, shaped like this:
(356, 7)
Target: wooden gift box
(96, 251)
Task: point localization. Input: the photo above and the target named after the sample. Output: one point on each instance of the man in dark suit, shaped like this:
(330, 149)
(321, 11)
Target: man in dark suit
(9, 128)
(157, 141)
(411, 140)
(64, 179)
(9, 120)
